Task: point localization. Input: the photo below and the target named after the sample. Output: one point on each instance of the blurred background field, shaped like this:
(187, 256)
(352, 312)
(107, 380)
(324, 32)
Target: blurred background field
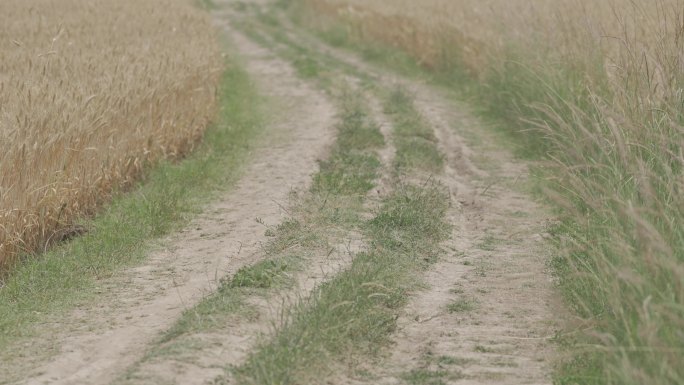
(594, 90)
(92, 93)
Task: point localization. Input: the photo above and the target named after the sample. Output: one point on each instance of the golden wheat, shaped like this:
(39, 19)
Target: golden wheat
(91, 92)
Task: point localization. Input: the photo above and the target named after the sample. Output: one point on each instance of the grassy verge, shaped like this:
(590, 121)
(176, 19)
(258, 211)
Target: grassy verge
(614, 172)
(44, 287)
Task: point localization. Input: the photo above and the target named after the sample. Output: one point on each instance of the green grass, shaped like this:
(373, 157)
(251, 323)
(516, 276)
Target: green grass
(290, 233)
(461, 305)
(44, 287)
(356, 131)
(426, 377)
(483, 349)
(410, 216)
(489, 243)
(449, 361)
(336, 34)
(204, 316)
(347, 173)
(435, 370)
(352, 168)
(416, 153)
(352, 315)
(284, 255)
(414, 138)
(608, 267)
(263, 275)
(307, 67)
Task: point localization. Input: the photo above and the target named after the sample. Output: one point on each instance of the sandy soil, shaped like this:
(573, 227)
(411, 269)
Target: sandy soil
(494, 266)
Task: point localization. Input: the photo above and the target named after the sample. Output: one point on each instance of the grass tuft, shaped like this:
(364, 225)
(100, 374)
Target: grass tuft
(353, 166)
(263, 275)
(461, 306)
(413, 137)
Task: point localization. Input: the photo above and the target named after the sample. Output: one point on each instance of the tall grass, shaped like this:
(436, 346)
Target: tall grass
(91, 94)
(595, 88)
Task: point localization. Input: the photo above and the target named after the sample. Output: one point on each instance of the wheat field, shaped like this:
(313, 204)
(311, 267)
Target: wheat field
(92, 92)
(595, 89)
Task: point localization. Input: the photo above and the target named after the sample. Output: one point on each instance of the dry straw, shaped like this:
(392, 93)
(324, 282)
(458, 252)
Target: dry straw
(91, 93)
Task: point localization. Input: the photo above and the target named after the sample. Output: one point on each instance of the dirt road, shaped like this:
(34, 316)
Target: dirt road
(485, 316)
